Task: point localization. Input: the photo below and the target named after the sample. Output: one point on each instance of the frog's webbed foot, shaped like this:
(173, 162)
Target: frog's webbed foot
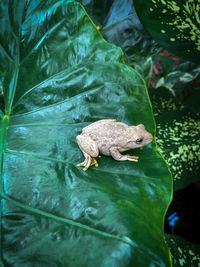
(88, 162)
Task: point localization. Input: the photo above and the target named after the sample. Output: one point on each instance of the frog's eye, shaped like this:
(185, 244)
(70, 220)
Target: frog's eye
(139, 141)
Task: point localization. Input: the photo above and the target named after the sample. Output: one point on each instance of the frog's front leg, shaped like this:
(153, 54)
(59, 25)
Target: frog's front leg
(90, 151)
(114, 151)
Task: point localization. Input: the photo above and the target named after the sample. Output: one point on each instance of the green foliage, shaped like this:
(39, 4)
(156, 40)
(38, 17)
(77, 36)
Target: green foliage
(178, 121)
(175, 25)
(60, 76)
(175, 78)
(121, 26)
(144, 67)
(184, 253)
(178, 135)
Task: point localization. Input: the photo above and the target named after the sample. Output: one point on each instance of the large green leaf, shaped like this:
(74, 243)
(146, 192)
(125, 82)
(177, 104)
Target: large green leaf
(178, 134)
(120, 25)
(175, 25)
(60, 76)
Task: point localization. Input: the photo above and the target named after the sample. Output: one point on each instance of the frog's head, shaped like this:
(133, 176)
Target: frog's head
(139, 136)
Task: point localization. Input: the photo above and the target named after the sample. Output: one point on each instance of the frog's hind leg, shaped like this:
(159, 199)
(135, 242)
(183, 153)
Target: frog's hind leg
(90, 151)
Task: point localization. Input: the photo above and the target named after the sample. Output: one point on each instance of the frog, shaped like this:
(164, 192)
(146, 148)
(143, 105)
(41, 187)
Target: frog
(110, 137)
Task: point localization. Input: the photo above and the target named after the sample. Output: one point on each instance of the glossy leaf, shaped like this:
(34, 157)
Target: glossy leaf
(62, 76)
(178, 135)
(120, 25)
(175, 25)
(184, 253)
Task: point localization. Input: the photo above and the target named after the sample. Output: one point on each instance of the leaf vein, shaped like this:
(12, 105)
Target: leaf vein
(35, 155)
(67, 221)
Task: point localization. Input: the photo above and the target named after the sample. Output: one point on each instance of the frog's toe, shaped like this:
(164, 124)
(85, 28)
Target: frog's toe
(94, 162)
(132, 158)
(89, 163)
(86, 163)
(82, 164)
